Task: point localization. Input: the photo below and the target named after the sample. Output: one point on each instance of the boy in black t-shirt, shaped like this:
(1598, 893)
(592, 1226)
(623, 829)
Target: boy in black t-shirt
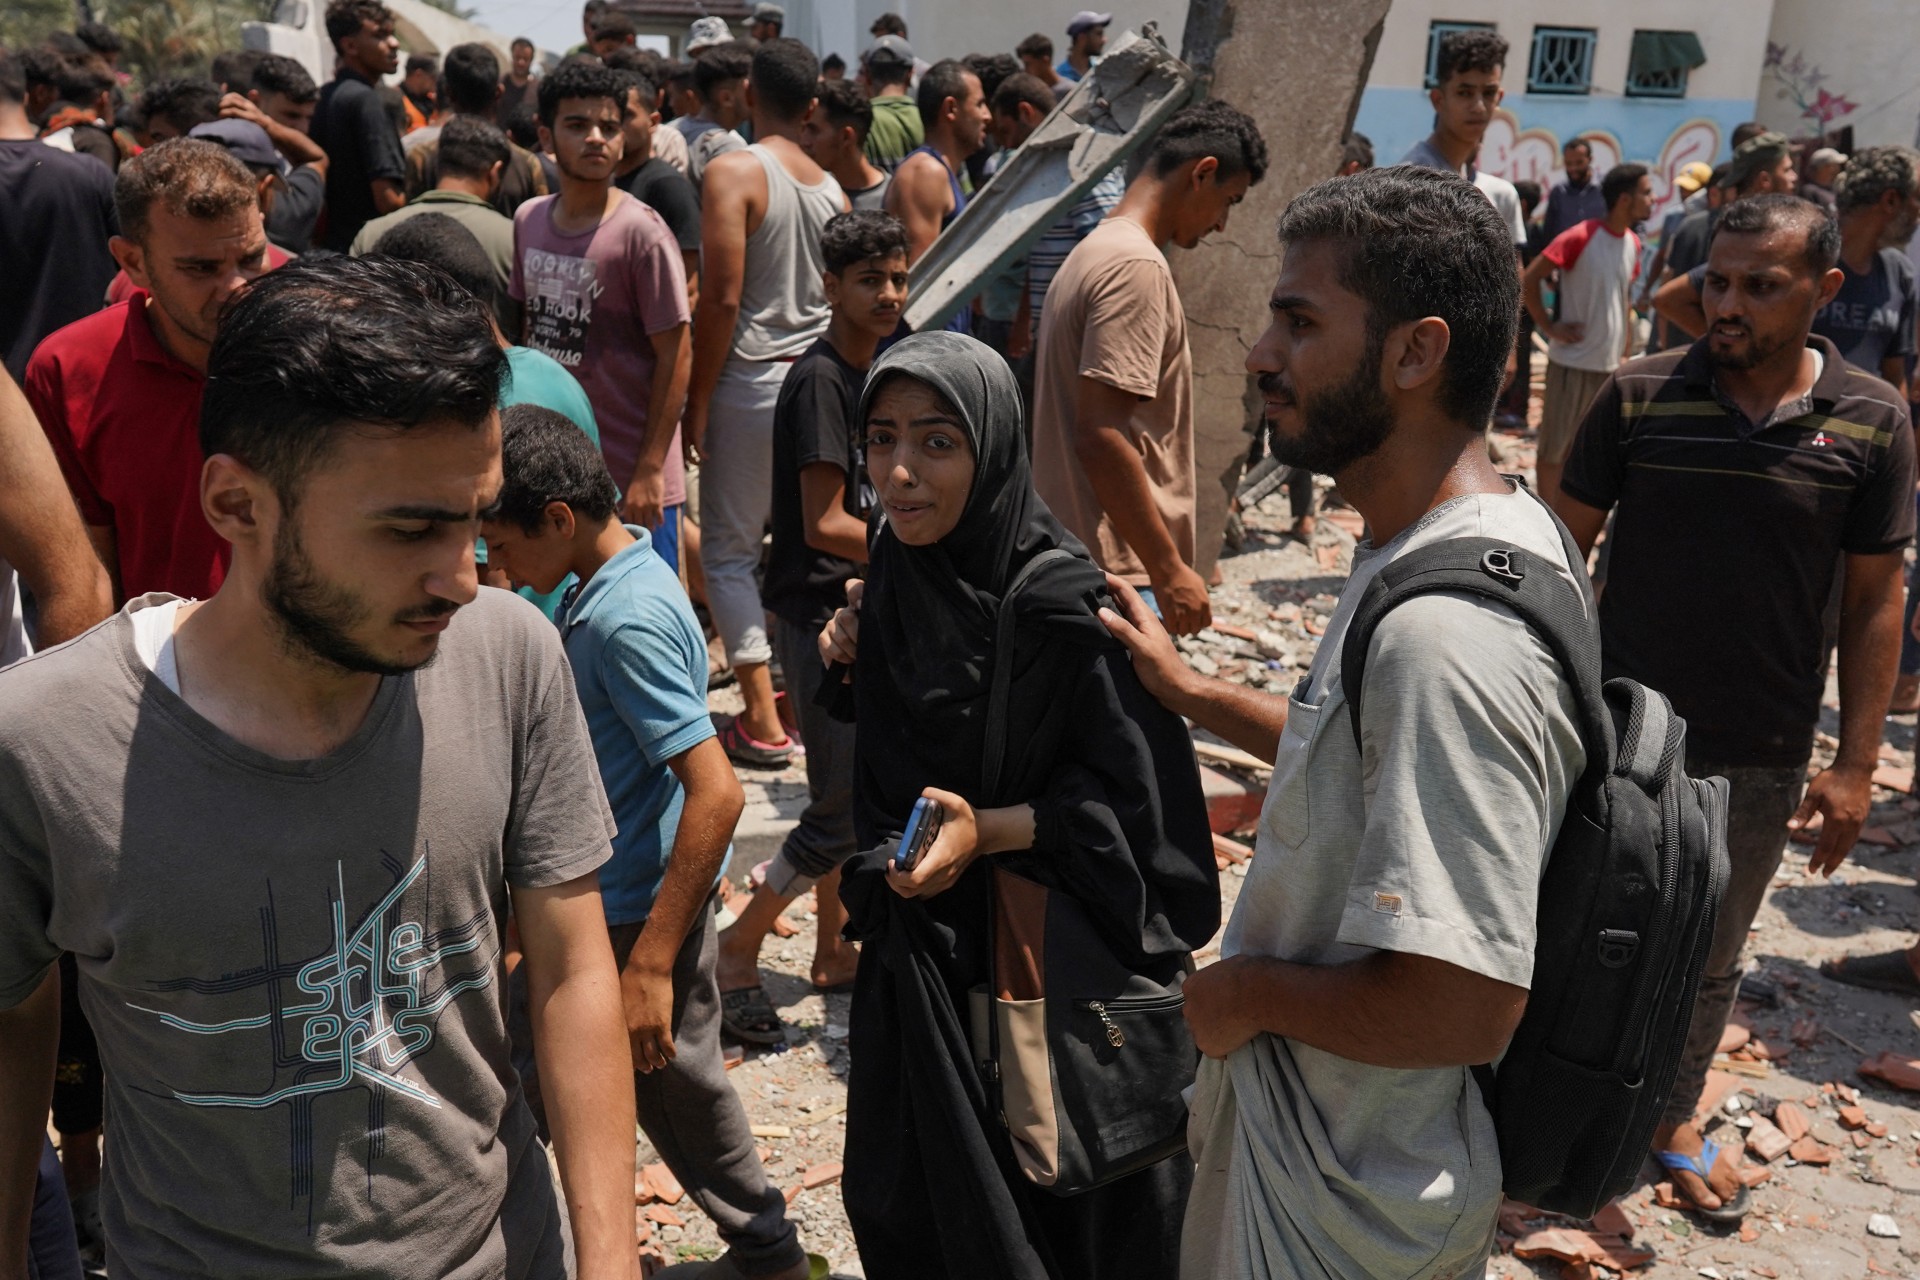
(820, 506)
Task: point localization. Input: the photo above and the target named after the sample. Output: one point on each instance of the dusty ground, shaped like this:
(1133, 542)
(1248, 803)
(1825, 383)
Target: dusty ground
(1809, 1220)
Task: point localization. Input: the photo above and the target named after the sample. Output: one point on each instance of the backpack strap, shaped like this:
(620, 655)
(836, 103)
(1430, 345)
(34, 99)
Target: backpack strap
(994, 750)
(1558, 612)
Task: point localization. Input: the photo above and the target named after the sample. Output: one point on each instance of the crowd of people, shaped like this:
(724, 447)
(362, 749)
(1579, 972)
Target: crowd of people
(338, 885)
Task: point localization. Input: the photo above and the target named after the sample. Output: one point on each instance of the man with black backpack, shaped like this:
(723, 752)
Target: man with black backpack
(1384, 941)
(1742, 472)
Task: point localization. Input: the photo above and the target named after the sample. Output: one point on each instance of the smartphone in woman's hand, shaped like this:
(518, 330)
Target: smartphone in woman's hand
(923, 824)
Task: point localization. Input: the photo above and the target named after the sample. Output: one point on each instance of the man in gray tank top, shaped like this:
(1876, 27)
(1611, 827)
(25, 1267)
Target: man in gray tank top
(761, 306)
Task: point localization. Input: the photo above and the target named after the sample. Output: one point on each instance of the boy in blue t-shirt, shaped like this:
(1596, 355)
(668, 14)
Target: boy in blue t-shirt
(640, 664)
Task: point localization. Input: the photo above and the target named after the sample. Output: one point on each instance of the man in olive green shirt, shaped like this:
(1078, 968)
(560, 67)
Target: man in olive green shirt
(896, 131)
(473, 155)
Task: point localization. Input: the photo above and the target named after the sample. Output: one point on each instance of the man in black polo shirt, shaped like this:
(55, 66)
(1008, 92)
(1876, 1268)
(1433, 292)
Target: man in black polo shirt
(1745, 469)
(366, 165)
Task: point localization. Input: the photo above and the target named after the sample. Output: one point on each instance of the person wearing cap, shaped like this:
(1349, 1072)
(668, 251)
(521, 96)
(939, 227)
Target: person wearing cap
(887, 69)
(704, 34)
(767, 22)
(1088, 32)
(1823, 167)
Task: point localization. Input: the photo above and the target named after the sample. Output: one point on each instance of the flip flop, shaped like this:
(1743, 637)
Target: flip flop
(748, 1015)
(1731, 1212)
(1888, 971)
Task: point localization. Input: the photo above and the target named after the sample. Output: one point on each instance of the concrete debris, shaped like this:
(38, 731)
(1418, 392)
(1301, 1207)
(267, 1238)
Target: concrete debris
(1883, 1226)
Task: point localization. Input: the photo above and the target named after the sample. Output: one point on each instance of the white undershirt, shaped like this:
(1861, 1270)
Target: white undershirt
(153, 640)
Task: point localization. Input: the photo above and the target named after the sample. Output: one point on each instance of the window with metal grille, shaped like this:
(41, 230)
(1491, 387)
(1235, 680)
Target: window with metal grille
(1562, 60)
(1660, 62)
(1440, 31)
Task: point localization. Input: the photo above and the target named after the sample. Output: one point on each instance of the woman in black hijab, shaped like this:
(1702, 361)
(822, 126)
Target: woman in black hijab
(1098, 798)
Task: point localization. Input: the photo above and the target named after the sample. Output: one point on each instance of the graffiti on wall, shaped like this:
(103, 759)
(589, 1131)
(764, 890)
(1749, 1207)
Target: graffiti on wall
(1533, 154)
(1803, 83)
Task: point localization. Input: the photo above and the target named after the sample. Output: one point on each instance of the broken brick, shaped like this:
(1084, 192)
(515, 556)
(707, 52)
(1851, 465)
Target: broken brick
(1752, 1175)
(664, 1216)
(820, 1175)
(1792, 1120)
(1810, 1150)
(659, 1180)
(1877, 1130)
(1766, 1141)
(1895, 1069)
(1612, 1220)
(1892, 779)
(1719, 1085)
(1860, 1141)
(792, 1193)
(1231, 803)
(1734, 1037)
(1853, 1117)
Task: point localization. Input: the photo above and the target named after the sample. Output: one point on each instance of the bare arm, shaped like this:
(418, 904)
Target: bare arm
(1119, 478)
(1247, 718)
(1871, 603)
(40, 530)
(585, 1069)
(1678, 303)
(672, 362)
(823, 513)
(919, 197)
(1582, 521)
(712, 807)
(1531, 285)
(29, 1033)
(106, 547)
(297, 147)
(388, 195)
(690, 261)
(1377, 1010)
(723, 263)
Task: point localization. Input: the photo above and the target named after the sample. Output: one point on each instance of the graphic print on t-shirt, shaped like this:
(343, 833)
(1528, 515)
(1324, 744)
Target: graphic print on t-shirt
(561, 291)
(361, 1010)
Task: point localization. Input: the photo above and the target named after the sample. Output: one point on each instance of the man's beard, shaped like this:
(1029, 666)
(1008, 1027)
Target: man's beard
(1340, 426)
(317, 617)
(1757, 352)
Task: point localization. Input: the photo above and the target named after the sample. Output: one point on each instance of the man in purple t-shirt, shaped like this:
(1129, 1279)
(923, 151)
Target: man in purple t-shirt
(606, 296)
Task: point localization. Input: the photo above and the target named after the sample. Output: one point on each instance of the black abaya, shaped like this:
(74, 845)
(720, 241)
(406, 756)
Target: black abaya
(931, 1186)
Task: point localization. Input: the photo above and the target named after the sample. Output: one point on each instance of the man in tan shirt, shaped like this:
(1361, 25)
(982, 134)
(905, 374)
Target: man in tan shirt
(1113, 394)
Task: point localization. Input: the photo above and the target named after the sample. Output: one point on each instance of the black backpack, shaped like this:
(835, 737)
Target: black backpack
(1627, 901)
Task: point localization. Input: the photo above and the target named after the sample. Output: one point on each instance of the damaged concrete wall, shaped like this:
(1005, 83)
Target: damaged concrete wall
(1298, 68)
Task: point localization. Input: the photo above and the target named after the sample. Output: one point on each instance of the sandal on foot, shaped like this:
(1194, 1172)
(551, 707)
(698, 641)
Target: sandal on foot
(1888, 971)
(748, 1015)
(1731, 1211)
(743, 748)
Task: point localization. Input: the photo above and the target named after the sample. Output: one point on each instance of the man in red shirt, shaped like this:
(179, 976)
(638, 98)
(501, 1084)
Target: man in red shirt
(119, 392)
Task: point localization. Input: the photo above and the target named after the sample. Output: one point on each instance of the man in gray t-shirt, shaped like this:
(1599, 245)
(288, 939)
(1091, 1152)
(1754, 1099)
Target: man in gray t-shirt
(1383, 943)
(280, 830)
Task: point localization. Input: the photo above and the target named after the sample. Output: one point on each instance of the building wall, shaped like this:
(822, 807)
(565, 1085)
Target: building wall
(1839, 64)
(1525, 139)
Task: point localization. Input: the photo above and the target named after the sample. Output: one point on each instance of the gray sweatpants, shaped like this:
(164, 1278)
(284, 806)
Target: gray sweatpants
(823, 838)
(689, 1110)
(1759, 802)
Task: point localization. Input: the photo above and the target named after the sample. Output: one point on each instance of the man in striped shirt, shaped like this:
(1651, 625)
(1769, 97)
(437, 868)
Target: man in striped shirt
(1743, 471)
